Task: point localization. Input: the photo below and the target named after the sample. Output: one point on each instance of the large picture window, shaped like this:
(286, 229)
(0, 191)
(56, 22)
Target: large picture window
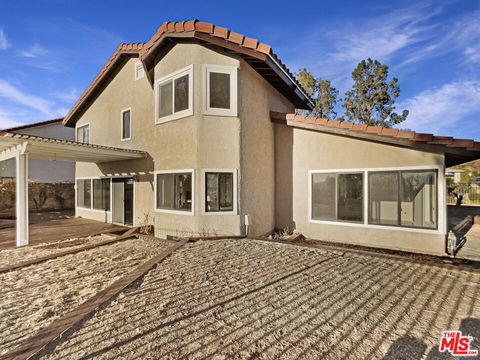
(337, 196)
(219, 192)
(174, 191)
(220, 90)
(403, 198)
(174, 94)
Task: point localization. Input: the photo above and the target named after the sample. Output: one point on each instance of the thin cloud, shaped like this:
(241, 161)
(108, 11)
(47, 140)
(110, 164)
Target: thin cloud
(68, 96)
(442, 108)
(14, 95)
(4, 43)
(33, 52)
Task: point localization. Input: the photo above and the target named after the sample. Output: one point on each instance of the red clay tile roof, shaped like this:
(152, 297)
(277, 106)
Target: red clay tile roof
(203, 31)
(207, 28)
(28, 126)
(320, 124)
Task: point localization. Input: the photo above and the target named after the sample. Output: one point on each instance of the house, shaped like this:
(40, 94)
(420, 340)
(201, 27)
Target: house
(41, 170)
(195, 131)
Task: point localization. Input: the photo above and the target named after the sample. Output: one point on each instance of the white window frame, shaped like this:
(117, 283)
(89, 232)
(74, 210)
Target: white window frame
(121, 124)
(171, 77)
(79, 127)
(173, 211)
(441, 198)
(233, 72)
(135, 70)
(204, 192)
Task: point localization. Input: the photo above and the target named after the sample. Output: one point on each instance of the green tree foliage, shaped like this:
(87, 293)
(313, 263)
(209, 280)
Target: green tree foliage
(372, 97)
(321, 92)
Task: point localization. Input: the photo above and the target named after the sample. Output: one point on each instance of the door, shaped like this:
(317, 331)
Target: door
(118, 195)
(122, 201)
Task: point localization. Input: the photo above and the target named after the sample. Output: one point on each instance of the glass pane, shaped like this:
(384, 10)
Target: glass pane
(383, 198)
(211, 198)
(225, 184)
(80, 135)
(181, 93)
(323, 197)
(80, 192)
(183, 191)
(126, 125)
(86, 134)
(165, 188)
(101, 194)
(219, 192)
(87, 192)
(419, 199)
(350, 197)
(219, 90)
(165, 93)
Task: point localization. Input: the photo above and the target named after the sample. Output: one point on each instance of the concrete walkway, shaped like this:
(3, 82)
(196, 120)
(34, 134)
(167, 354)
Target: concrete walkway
(471, 249)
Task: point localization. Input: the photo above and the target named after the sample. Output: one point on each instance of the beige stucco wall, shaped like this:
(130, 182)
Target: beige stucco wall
(199, 142)
(318, 151)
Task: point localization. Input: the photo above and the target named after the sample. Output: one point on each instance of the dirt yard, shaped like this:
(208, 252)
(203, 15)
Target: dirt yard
(244, 299)
(34, 296)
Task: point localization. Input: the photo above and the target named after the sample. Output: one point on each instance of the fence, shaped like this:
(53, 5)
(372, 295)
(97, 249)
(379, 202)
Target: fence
(464, 194)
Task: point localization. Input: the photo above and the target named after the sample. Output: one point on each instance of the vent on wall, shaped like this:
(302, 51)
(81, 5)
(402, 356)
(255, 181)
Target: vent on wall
(139, 71)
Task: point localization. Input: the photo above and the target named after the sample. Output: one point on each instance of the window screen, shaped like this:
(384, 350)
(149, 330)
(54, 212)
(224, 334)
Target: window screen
(101, 194)
(219, 90)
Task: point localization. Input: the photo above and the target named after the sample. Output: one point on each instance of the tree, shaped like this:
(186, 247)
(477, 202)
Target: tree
(321, 92)
(371, 99)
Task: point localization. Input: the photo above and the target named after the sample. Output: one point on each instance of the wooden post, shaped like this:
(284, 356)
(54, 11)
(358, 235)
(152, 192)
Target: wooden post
(22, 199)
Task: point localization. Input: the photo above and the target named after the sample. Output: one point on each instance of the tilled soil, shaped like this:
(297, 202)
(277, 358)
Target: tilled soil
(34, 296)
(243, 299)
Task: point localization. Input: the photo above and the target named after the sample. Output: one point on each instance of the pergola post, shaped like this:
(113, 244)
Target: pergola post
(22, 198)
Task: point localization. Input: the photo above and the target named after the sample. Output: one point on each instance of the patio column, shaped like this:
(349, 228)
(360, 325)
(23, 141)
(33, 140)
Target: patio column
(22, 198)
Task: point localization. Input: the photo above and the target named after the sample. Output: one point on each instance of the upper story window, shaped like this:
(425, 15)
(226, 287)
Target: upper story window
(83, 134)
(174, 95)
(126, 119)
(139, 71)
(220, 90)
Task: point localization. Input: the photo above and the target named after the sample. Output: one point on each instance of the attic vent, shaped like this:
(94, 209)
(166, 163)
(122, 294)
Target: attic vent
(139, 71)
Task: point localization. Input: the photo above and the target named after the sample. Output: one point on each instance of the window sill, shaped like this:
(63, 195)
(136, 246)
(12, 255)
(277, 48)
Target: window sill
(379, 227)
(215, 213)
(177, 116)
(218, 112)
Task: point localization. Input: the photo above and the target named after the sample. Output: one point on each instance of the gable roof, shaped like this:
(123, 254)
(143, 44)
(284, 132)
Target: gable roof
(33, 125)
(256, 54)
(456, 151)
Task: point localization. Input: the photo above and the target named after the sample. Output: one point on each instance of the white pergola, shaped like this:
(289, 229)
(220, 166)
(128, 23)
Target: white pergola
(24, 147)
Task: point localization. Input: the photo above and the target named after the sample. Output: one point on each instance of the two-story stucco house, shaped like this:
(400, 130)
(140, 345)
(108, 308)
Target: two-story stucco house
(213, 113)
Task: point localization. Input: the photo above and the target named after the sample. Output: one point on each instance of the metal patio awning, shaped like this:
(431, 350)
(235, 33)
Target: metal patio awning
(24, 147)
(52, 149)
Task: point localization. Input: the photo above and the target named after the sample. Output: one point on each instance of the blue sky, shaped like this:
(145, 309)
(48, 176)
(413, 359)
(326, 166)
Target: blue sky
(50, 50)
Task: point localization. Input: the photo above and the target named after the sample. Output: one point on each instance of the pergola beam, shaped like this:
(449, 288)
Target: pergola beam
(13, 151)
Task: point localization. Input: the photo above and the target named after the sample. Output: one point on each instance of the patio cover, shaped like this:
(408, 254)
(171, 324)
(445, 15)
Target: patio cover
(22, 147)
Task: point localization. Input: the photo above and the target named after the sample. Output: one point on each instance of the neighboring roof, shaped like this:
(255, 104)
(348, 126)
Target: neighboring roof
(46, 148)
(256, 54)
(458, 150)
(28, 126)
